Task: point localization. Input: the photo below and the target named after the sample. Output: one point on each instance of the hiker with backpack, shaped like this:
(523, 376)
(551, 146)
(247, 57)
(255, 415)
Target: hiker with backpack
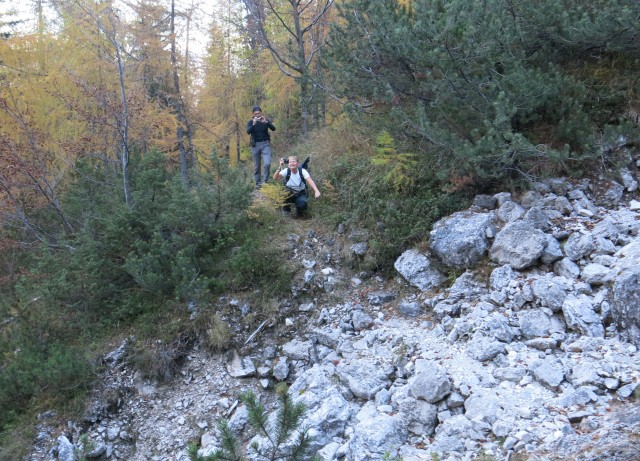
(295, 180)
(258, 127)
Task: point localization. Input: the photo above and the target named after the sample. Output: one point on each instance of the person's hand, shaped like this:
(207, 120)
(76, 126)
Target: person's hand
(281, 163)
(317, 194)
(255, 119)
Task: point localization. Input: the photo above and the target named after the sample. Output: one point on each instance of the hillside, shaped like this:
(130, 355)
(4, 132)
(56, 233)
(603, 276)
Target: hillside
(530, 354)
(465, 286)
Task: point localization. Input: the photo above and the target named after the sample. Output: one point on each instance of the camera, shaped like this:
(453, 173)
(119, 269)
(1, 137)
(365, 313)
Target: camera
(285, 160)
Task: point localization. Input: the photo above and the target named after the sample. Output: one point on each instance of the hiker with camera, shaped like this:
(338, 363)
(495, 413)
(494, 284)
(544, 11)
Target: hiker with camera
(258, 127)
(295, 180)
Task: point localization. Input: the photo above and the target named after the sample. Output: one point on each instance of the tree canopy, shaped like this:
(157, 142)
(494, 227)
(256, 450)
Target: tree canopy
(491, 87)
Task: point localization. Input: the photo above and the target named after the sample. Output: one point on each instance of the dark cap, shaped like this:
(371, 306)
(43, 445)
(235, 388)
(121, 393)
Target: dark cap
(255, 108)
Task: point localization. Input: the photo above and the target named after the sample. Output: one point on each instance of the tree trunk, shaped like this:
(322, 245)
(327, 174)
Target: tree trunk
(123, 122)
(178, 106)
(319, 97)
(238, 134)
(304, 104)
(302, 66)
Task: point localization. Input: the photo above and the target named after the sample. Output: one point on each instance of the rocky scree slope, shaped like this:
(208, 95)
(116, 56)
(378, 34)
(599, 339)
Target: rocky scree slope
(530, 354)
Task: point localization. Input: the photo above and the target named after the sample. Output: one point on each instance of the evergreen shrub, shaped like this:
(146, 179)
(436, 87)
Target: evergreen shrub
(284, 436)
(32, 369)
(120, 264)
(256, 263)
(127, 261)
(376, 184)
(492, 89)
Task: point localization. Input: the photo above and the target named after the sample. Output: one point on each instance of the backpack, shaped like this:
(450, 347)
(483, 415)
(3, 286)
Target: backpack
(304, 166)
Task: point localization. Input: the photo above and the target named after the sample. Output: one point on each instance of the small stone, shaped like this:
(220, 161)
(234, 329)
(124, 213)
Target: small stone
(360, 249)
(307, 307)
(626, 391)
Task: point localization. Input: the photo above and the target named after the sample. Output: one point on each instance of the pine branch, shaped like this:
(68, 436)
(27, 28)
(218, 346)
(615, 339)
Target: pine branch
(229, 442)
(299, 450)
(257, 414)
(288, 415)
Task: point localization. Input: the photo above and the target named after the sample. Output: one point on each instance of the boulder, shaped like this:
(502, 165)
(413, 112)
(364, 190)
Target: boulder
(537, 218)
(281, 369)
(549, 291)
(509, 212)
(361, 320)
(483, 348)
(552, 252)
(497, 326)
(566, 268)
(625, 304)
(297, 350)
(534, 323)
(549, 372)
(376, 434)
(482, 405)
(430, 383)
(364, 377)
(596, 274)
(327, 411)
(421, 416)
(580, 315)
(409, 308)
(630, 183)
(66, 451)
(518, 244)
(460, 240)
(240, 367)
(419, 270)
(488, 202)
(379, 298)
(579, 245)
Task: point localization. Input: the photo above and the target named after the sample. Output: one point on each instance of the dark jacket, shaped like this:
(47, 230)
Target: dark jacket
(260, 131)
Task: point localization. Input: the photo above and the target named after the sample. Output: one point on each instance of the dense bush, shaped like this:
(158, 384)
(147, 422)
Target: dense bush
(33, 368)
(126, 260)
(373, 183)
(491, 89)
(119, 264)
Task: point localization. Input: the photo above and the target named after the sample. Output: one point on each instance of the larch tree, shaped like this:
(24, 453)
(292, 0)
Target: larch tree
(291, 31)
(224, 86)
(151, 68)
(106, 31)
(183, 130)
(127, 89)
(164, 70)
(31, 163)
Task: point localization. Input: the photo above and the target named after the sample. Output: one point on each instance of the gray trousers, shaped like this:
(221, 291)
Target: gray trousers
(261, 155)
